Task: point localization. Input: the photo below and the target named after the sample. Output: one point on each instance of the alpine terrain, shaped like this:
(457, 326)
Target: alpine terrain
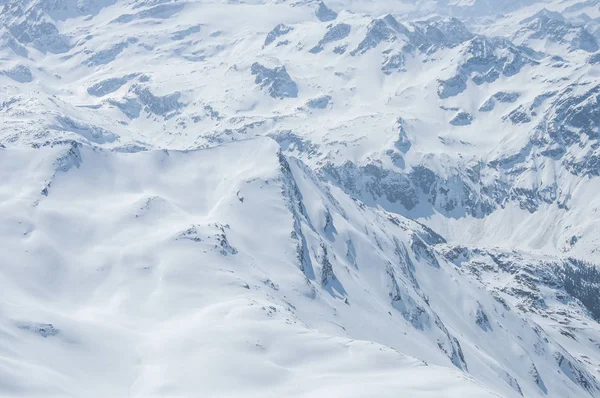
(292, 198)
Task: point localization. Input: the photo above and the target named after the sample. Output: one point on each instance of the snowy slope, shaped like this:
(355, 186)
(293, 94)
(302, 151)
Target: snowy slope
(170, 291)
(181, 271)
(235, 198)
(406, 97)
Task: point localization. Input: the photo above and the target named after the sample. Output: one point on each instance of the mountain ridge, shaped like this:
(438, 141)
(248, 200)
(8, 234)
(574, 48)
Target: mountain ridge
(412, 183)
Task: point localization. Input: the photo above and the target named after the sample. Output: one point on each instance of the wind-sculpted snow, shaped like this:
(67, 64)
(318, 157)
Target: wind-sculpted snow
(195, 242)
(222, 247)
(411, 203)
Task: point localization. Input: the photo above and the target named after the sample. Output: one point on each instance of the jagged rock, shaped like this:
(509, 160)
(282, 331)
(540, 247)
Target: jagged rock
(182, 34)
(33, 26)
(519, 116)
(580, 116)
(482, 320)
(294, 203)
(452, 30)
(319, 102)
(506, 97)
(129, 106)
(423, 251)
(582, 281)
(329, 228)
(379, 30)
(191, 233)
(327, 274)
(393, 63)
(511, 381)
(461, 119)
(277, 32)
(160, 11)
(110, 54)
(432, 35)
(335, 33)
(594, 59)
(43, 329)
(351, 253)
(553, 27)
(340, 49)
(403, 143)
(448, 195)
(452, 87)
(502, 97)
(537, 379)
(324, 13)
(223, 244)
(89, 132)
(277, 81)
(165, 105)
(485, 60)
(396, 188)
(19, 73)
(288, 141)
(108, 86)
(578, 376)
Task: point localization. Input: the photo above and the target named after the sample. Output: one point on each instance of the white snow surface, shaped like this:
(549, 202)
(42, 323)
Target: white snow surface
(235, 199)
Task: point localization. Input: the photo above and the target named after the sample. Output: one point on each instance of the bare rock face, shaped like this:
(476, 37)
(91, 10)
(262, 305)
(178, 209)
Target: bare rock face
(461, 119)
(277, 32)
(277, 81)
(19, 73)
(324, 13)
(335, 33)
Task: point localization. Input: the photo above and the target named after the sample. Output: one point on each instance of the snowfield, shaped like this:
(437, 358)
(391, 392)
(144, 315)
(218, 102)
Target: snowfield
(175, 274)
(299, 199)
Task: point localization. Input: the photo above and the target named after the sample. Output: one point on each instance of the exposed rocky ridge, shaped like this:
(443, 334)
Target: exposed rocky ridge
(348, 254)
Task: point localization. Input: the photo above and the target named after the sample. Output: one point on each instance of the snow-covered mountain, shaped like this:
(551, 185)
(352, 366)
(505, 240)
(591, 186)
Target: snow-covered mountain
(277, 198)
